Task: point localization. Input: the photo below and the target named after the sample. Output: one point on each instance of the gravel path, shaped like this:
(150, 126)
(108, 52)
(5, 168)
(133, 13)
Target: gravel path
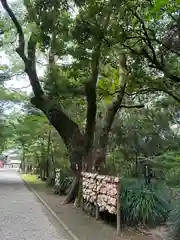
(22, 216)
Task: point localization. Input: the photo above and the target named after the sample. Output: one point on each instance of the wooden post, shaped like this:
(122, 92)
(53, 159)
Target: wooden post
(82, 200)
(96, 203)
(118, 210)
(82, 203)
(97, 211)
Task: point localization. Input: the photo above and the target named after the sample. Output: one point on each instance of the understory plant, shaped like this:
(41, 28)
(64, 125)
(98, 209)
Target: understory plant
(63, 182)
(144, 204)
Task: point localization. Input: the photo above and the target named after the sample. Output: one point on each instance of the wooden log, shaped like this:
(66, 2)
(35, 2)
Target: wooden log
(102, 191)
(82, 199)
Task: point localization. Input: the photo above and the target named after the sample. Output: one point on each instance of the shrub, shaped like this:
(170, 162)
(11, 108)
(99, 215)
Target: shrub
(64, 182)
(148, 205)
(172, 176)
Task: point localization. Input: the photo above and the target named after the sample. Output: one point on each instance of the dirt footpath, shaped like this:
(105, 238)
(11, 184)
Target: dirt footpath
(83, 226)
(22, 216)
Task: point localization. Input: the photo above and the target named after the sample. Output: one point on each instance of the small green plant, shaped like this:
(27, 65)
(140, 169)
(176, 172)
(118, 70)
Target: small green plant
(62, 182)
(65, 183)
(147, 205)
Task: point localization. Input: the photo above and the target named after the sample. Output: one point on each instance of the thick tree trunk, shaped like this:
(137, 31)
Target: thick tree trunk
(90, 90)
(47, 168)
(86, 142)
(67, 128)
(112, 109)
(40, 171)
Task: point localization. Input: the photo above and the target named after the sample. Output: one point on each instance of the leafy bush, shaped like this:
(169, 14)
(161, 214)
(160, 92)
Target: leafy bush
(170, 167)
(117, 165)
(172, 176)
(148, 205)
(64, 182)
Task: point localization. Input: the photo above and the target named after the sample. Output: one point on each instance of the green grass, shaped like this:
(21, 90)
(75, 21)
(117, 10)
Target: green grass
(36, 183)
(32, 179)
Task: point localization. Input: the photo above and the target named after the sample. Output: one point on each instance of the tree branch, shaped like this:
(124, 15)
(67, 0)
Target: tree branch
(32, 48)
(90, 87)
(155, 65)
(30, 67)
(115, 105)
(111, 112)
(170, 93)
(132, 106)
(91, 96)
(146, 35)
(152, 58)
(29, 61)
(158, 66)
(20, 49)
(66, 127)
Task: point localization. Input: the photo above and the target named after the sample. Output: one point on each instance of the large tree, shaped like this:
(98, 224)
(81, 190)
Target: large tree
(98, 39)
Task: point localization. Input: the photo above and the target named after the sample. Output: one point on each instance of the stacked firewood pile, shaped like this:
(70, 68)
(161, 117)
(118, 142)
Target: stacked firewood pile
(107, 187)
(101, 190)
(89, 187)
